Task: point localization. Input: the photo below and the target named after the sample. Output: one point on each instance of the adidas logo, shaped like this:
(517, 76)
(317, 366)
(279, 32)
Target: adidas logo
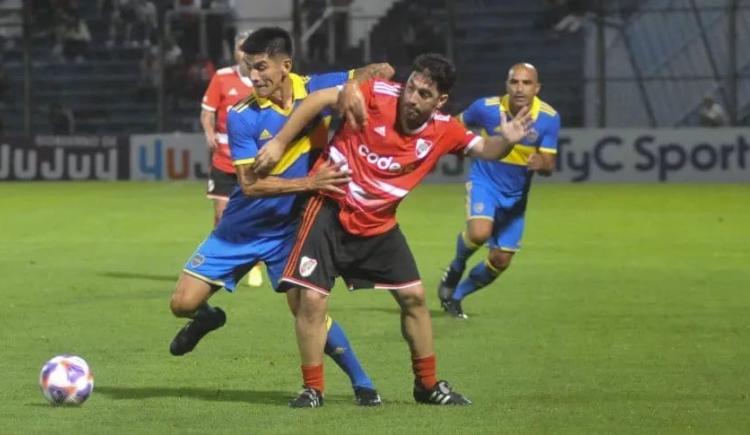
(233, 92)
(380, 130)
(265, 135)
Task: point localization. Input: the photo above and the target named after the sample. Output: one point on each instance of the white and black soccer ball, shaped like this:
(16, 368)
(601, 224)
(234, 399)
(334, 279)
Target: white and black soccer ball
(66, 380)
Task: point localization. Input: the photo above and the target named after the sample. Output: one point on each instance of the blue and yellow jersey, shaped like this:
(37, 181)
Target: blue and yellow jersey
(251, 123)
(510, 175)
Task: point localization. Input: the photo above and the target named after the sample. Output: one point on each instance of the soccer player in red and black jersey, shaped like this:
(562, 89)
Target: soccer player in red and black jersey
(354, 234)
(227, 87)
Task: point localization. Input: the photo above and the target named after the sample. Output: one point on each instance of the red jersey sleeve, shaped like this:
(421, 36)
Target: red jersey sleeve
(212, 97)
(366, 88)
(459, 139)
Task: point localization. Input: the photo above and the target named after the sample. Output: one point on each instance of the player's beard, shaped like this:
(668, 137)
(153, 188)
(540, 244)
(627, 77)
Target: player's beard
(412, 117)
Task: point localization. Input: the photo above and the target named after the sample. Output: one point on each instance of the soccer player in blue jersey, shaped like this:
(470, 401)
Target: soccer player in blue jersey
(498, 190)
(260, 219)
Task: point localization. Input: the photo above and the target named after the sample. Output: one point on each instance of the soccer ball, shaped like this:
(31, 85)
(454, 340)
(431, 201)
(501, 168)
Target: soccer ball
(66, 380)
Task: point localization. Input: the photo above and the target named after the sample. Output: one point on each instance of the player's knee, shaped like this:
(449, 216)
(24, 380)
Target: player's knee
(478, 236)
(411, 298)
(184, 302)
(500, 260)
(292, 299)
(312, 305)
(181, 305)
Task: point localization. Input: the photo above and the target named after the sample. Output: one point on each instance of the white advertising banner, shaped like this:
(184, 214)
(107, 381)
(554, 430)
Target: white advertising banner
(584, 155)
(173, 156)
(638, 156)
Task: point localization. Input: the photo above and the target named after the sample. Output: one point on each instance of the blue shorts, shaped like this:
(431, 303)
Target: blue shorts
(506, 213)
(224, 263)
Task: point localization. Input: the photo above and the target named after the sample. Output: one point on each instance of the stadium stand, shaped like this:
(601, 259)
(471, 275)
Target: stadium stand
(104, 89)
(490, 36)
(112, 88)
(681, 57)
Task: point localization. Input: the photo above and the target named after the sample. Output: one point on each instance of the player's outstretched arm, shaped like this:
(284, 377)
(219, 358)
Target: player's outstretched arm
(272, 151)
(511, 132)
(326, 177)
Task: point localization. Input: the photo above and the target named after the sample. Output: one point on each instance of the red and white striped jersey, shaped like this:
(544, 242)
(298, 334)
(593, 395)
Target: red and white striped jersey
(386, 164)
(227, 88)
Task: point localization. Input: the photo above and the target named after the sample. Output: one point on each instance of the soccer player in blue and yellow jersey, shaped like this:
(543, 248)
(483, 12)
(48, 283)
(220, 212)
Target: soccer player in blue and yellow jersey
(260, 219)
(498, 190)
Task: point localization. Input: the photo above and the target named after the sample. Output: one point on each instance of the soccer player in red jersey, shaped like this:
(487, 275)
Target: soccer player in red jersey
(354, 234)
(227, 87)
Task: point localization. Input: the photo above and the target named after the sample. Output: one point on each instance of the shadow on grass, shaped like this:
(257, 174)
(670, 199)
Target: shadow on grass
(279, 398)
(434, 313)
(144, 276)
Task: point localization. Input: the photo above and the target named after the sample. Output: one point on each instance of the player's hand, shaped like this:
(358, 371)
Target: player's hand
(514, 130)
(211, 141)
(542, 163)
(268, 157)
(536, 162)
(384, 71)
(329, 176)
(351, 105)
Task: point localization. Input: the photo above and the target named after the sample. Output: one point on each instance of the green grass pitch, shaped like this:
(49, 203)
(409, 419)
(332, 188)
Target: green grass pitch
(627, 311)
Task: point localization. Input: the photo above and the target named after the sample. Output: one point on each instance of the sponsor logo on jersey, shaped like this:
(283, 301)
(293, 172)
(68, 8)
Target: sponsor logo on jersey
(306, 266)
(265, 135)
(423, 147)
(384, 163)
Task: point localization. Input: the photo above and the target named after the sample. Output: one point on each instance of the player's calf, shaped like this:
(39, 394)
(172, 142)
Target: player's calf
(449, 281)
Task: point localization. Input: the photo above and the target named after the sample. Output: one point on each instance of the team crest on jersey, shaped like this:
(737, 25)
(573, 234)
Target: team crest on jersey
(307, 265)
(197, 260)
(479, 207)
(423, 147)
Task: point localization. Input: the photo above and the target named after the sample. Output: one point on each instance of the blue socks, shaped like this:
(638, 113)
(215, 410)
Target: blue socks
(339, 349)
(464, 249)
(480, 276)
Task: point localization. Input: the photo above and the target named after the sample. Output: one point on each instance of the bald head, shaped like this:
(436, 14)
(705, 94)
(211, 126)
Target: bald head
(529, 68)
(522, 85)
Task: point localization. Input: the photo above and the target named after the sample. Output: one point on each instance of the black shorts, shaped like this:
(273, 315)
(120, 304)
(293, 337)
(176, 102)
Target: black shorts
(324, 250)
(220, 184)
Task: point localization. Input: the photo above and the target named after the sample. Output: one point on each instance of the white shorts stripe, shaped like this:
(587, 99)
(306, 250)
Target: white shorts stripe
(397, 286)
(306, 285)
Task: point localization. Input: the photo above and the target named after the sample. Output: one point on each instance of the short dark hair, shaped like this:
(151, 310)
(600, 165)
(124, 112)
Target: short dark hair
(438, 68)
(269, 40)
